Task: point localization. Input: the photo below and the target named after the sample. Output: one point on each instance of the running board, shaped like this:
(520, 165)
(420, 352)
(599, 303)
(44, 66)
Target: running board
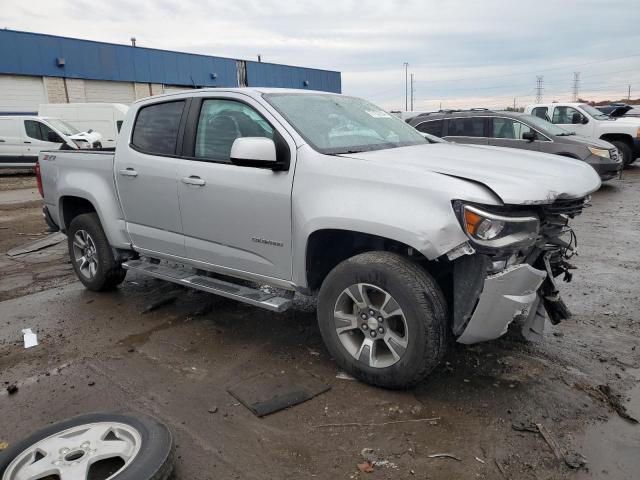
(182, 276)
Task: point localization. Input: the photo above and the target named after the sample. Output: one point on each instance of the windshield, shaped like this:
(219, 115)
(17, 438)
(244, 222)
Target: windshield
(334, 124)
(594, 112)
(63, 126)
(546, 126)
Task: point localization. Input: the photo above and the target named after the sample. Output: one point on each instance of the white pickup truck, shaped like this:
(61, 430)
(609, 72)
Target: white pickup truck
(406, 243)
(588, 121)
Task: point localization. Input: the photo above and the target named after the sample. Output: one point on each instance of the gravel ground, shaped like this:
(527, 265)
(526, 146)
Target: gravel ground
(99, 352)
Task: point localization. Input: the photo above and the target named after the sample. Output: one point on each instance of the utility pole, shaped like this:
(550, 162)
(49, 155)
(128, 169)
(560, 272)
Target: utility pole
(514, 104)
(629, 92)
(539, 88)
(259, 58)
(406, 86)
(412, 92)
(576, 86)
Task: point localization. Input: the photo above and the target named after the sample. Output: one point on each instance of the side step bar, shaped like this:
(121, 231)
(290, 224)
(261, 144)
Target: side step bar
(182, 276)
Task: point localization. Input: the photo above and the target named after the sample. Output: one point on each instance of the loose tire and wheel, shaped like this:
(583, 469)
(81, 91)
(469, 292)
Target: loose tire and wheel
(625, 151)
(97, 446)
(383, 318)
(91, 254)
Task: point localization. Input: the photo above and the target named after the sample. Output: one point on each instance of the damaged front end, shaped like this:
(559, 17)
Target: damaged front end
(508, 269)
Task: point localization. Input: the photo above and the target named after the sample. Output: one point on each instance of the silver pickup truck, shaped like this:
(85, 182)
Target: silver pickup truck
(255, 194)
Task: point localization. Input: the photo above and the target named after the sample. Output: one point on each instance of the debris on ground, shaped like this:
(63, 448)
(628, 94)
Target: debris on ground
(575, 460)
(480, 460)
(615, 401)
(444, 455)
(30, 338)
(39, 244)
(3, 446)
(371, 460)
(344, 376)
(365, 467)
(267, 393)
(525, 426)
(11, 389)
(159, 303)
(213, 410)
(551, 441)
(431, 421)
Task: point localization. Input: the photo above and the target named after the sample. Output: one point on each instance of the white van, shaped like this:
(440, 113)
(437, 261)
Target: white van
(22, 137)
(105, 118)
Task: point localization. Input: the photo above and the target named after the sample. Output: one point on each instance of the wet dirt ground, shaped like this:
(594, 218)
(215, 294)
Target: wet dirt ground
(99, 352)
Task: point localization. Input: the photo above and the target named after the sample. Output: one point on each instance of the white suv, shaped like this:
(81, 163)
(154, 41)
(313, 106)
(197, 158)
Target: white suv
(590, 122)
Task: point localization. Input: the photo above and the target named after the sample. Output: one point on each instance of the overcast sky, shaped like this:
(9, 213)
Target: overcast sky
(462, 53)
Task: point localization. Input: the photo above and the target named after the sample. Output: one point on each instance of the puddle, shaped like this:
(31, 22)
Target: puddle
(612, 448)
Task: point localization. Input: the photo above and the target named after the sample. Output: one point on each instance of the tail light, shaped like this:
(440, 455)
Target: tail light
(39, 179)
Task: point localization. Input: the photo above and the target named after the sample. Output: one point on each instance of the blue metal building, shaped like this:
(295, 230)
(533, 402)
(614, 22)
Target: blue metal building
(46, 68)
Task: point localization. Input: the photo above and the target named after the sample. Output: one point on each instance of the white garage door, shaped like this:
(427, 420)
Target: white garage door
(109, 92)
(21, 94)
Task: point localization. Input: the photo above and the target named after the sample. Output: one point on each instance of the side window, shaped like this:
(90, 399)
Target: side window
(156, 128)
(33, 129)
(509, 128)
(45, 130)
(542, 112)
(221, 122)
(433, 127)
(466, 127)
(566, 116)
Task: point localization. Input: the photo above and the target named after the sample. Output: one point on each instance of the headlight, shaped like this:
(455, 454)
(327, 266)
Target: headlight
(600, 152)
(493, 230)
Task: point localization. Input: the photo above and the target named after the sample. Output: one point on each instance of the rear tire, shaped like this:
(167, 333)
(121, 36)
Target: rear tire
(625, 151)
(91, 255)
(408, 345)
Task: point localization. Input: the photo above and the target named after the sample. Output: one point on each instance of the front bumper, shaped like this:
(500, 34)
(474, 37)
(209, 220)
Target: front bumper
(605, 168)
(505, 296)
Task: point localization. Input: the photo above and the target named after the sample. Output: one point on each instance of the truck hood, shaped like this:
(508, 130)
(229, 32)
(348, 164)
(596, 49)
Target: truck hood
(518, 177)
(627, 121)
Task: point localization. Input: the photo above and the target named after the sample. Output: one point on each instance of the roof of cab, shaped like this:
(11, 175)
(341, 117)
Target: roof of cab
(251, 91)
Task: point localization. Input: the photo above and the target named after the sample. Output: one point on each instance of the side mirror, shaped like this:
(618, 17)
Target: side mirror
(54, 137)
(258, 152)
(585, 120)
(529, 136)
(576, 118)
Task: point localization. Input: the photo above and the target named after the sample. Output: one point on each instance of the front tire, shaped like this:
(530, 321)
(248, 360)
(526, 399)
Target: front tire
(91, 254)
(625, 151)
(383, 318)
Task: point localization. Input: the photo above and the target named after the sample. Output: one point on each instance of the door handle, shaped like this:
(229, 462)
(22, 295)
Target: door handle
(194, 180)
(128, 172)
(27, 142)
(1, 140)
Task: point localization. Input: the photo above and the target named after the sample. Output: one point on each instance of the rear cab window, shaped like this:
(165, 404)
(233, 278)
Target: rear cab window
(156, 128)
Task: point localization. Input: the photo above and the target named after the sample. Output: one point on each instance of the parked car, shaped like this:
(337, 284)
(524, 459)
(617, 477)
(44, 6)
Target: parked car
(406, 243)
(590, 122)
(23, 137)
(105, 118)
(518, 130)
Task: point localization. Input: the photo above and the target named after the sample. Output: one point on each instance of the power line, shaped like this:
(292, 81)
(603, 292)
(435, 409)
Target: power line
(531, 72)
(576, 86)
(539, 88)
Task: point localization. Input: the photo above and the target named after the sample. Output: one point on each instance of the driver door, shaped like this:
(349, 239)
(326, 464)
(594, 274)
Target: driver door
(235, 218)
(35, 138)
(507, 132)
(572, 120)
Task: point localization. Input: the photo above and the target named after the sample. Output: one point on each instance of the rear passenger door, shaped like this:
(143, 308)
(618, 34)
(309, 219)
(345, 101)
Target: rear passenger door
(235, 218)
(146, 178)
(471, 130)
(507, 132)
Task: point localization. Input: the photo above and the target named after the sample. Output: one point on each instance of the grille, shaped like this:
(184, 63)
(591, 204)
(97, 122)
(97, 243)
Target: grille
(569, 206)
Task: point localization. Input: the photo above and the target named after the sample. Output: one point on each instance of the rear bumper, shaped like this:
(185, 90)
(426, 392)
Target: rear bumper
(505, 296)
